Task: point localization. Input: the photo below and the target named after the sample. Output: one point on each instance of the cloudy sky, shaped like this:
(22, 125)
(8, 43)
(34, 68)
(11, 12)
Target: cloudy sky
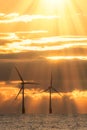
(40, 37)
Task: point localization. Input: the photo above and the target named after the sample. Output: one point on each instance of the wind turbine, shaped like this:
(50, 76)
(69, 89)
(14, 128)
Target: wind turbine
(50, 88)
(22, 89)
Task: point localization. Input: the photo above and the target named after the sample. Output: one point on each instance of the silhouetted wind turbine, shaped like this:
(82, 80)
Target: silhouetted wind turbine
(50, 88)
(22, 89)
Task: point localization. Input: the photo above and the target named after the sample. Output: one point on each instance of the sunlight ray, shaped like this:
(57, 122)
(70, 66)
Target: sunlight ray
(75, 18)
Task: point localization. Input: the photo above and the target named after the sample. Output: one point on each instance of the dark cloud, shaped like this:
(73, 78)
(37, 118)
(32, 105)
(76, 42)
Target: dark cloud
(67, 75)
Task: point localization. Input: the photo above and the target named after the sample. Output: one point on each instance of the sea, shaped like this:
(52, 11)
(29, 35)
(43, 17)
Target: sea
(43, 122)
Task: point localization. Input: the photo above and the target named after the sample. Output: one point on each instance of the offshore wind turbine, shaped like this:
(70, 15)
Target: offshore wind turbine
(22, 89)
(50, 88)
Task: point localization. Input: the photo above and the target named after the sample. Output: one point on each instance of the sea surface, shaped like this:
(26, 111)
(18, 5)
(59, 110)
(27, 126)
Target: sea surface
(43, 122)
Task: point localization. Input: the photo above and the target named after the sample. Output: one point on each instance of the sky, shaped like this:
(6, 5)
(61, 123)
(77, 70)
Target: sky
(40, 37)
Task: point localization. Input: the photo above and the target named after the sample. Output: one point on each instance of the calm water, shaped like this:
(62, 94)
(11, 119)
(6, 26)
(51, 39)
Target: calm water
(43, 122)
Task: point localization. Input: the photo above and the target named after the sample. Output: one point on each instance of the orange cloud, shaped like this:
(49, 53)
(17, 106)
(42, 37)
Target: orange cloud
(17, 44)
(67, 57)
(73, 102)
(15, 17)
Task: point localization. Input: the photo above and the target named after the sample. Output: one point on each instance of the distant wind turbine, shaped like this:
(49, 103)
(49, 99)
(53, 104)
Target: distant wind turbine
(50, 88)
(22, 89)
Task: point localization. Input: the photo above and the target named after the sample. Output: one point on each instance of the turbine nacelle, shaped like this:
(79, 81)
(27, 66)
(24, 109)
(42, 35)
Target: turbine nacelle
(27, 82)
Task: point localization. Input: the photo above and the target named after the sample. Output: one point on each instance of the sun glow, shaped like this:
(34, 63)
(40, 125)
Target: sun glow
(67, 57)
(54, 2)
(53, 7)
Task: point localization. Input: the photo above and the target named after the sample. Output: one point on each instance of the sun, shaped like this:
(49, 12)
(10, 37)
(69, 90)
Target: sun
(57, 1)
(54, 3)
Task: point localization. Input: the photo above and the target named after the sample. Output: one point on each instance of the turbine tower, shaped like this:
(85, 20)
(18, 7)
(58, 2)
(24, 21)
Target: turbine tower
(22, 89)
(50, 88)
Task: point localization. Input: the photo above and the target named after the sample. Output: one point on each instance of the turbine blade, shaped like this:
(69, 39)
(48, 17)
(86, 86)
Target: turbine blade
(56, 91)
(26, 82)
(44, 90)
(19, 74)
(19, 92)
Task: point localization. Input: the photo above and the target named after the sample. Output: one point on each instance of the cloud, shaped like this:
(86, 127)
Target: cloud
(39, 19)
(38, 31)
(38, 103)
(67, 57)
(15, 17)
(17, 43)
(8, 36)
(68, 75)
(30, 55)
(16, 49)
